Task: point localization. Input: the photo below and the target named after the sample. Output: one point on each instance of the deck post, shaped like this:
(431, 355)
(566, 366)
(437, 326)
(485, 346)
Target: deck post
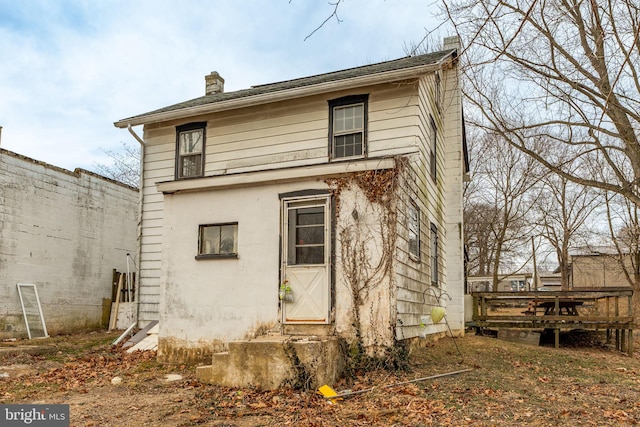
(557, 337)
(623, 341)
(630, 343)
(618, 331)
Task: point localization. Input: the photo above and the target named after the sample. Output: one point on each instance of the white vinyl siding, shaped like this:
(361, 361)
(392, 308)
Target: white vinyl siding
(414, 297)
(295, 133)
(159, 165)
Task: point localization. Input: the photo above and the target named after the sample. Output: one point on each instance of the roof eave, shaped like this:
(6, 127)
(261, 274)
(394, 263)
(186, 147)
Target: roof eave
(282, 95)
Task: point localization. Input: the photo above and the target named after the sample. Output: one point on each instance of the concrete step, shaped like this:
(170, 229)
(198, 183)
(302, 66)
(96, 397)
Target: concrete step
(273, 362)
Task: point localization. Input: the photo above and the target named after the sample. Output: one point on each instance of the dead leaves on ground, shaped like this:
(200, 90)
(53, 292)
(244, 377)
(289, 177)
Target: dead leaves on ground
(510, 385)
(401, 406)
(76, 373)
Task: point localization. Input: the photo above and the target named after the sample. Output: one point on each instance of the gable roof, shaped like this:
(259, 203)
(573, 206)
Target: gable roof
(398, 69)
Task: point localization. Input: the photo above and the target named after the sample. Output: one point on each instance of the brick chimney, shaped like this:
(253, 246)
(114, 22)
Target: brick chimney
(452, 42)
(213, 83)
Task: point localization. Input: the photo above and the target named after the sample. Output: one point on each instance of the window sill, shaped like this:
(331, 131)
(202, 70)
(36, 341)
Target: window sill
(186, 178)
(216, 256)
(347, 158)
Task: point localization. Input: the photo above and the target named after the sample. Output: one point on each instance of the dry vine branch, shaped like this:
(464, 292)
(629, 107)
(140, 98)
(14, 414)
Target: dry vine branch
(363, 269)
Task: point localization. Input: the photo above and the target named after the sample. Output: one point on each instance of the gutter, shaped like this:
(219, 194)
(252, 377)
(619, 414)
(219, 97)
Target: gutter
(298, 92)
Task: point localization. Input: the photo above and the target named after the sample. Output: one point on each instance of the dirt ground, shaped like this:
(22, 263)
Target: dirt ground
(584, 383)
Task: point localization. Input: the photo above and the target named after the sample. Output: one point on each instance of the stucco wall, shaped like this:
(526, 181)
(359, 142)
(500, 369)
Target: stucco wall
(207, 303)
(364, 265)
(64, 232)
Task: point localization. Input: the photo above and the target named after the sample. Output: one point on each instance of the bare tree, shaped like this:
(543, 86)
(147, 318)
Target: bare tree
(623, 219)
(562, 72)
(480, 236)
(562, 212)
(498, 205)
(124, 166)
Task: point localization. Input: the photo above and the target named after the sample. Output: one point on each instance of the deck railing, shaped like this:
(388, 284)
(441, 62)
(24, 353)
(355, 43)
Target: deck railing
(608, 309)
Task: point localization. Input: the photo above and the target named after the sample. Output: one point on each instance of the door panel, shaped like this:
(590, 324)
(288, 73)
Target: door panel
(306, 264)
(309, 290)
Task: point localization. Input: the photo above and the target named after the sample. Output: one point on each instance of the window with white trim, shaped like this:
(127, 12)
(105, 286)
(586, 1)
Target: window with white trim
(438, 91)
(348, 127)
(434, 255)
(190, 143)
(218, 240)
(433, 142)
(413, 225)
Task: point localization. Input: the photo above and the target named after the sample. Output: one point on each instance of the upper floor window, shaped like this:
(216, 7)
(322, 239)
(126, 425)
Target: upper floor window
(433, 142)
(348, 127)
(190, 143)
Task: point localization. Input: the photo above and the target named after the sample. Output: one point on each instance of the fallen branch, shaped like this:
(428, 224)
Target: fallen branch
(331, 394)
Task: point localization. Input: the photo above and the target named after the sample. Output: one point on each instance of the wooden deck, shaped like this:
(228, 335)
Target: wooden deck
(609, 309)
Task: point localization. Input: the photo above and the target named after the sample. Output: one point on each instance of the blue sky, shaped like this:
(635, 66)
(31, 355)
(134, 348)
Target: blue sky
(69, 69)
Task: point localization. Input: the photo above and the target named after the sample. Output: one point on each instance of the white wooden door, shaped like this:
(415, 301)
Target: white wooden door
(306, 249)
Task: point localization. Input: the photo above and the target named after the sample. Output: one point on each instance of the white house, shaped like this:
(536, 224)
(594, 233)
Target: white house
(64, 232)
(324, 205)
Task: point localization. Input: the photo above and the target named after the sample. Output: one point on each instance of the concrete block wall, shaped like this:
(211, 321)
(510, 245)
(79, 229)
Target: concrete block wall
(65, 232)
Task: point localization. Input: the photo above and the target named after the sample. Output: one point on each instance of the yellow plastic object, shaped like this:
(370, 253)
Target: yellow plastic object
(437, 314)
(329, 393)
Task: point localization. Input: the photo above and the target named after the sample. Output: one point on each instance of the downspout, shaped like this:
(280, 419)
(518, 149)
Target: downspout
(140, 204)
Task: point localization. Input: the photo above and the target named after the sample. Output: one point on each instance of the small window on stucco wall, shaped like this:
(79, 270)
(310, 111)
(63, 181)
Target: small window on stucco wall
(218, 241)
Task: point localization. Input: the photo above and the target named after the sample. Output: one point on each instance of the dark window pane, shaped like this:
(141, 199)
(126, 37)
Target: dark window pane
(310, 255)
(227, 239)
(357, 143)
(191, 142)
(190, 165)
(413, 244)
(310, 235)
(348, 145)
(311, 216)
(210, 240)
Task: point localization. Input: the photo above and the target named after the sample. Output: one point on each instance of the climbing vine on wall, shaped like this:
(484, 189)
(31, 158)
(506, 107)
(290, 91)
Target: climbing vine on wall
(367, 239)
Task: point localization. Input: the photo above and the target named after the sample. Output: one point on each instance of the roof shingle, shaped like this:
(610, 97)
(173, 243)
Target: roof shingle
(381, 67)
